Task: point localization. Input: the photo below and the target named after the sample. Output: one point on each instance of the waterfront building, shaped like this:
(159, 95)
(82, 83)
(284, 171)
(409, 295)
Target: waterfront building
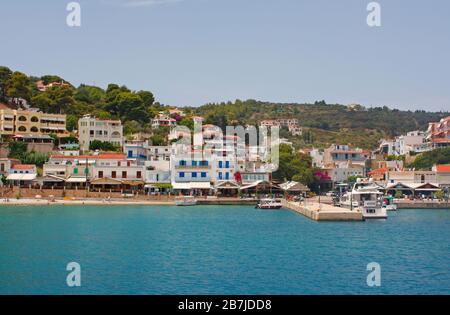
(22, 174)
(113, 171)
(31, 122)
(6, 164)
(91, 128)
(442, 174)
(339, 172)
(157, 176)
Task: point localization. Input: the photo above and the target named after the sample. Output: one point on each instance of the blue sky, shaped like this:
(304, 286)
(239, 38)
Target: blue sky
(190, 52)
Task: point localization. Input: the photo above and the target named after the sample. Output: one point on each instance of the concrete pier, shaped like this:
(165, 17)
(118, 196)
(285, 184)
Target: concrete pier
(421, 204)
(322, 212)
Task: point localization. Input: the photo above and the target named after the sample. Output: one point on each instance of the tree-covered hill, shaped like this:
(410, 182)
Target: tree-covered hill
(323, 123)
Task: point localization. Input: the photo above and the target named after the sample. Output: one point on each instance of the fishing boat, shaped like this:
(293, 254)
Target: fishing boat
(365, 197)
(185, 201)
(268, 203)
(389, 204)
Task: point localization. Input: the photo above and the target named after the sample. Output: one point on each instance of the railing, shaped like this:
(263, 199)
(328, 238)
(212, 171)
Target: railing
(191, 167)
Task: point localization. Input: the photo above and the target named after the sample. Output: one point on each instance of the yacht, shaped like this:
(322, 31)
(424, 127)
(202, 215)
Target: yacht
(185, 201)
(269, 203)
(366, 197)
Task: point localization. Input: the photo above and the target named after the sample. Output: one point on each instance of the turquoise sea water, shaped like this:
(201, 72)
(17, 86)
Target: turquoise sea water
(219, 250)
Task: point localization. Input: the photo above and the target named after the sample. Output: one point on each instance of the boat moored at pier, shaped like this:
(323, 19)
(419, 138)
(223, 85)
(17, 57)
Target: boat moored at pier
(367, 198)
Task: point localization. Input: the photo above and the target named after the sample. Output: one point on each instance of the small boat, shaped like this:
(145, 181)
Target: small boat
(389, 204)
(185, 201)
(268, 203)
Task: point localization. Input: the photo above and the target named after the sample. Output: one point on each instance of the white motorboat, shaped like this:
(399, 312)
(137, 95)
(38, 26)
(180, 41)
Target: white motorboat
(366, 198)
(185, 201)
(269, 203)
(389, 204)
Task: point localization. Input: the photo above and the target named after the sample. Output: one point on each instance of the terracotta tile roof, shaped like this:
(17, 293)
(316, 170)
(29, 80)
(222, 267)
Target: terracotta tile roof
(443, 168)
(8, 159)
(111, 156)
(379, 171)
(23, 166)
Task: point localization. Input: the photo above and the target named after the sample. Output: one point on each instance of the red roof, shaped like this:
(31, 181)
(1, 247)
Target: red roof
(24, 166)
(379, 171)
(443, 168)
(103, 156)
(111, 156)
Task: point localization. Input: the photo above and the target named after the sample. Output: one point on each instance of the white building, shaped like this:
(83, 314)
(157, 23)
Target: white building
(91, 128)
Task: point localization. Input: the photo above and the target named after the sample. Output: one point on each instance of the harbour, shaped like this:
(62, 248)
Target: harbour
(150, 249)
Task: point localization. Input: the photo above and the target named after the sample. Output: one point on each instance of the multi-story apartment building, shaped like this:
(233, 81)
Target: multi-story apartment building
(91, 128)
(83, 168)
(343, 153)
(31, 122)
(163, 120)
(413, 141)
(438, 133)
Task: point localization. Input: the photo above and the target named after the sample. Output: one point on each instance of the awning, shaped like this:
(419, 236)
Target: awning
(200, 185)
(53, 179)
(21, 177)
(133, 182)
(181, 186)
(227, 185)
(106, 181)
(76, 180)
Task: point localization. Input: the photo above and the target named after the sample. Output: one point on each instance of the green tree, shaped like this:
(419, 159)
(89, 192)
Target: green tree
(5, 75)
(18, 86)
(71, 122)
(17, 149)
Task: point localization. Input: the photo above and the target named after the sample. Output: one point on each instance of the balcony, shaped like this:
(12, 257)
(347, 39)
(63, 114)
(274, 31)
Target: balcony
(192, 179)
(193, 167)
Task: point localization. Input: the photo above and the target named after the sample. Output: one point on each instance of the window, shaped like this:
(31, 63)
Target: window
(124, 174)
(34, 129)
(194, 175)
(100, 174)
(220, 164)
(22, 129)
(139, 174)
(227, 175)
(181, 174)
(227, 164)
(194, 163)
(113, 174)
(182, 163)
(203, 174)
(220, 175)
(22, 118)
(130, 153)
(75, 170)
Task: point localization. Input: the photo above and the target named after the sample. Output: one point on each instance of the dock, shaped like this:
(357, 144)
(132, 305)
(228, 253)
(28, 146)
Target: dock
(421, 204)
(322, 212)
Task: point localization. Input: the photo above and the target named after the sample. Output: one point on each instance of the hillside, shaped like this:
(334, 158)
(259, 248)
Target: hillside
(322, 123)
(325, 123)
